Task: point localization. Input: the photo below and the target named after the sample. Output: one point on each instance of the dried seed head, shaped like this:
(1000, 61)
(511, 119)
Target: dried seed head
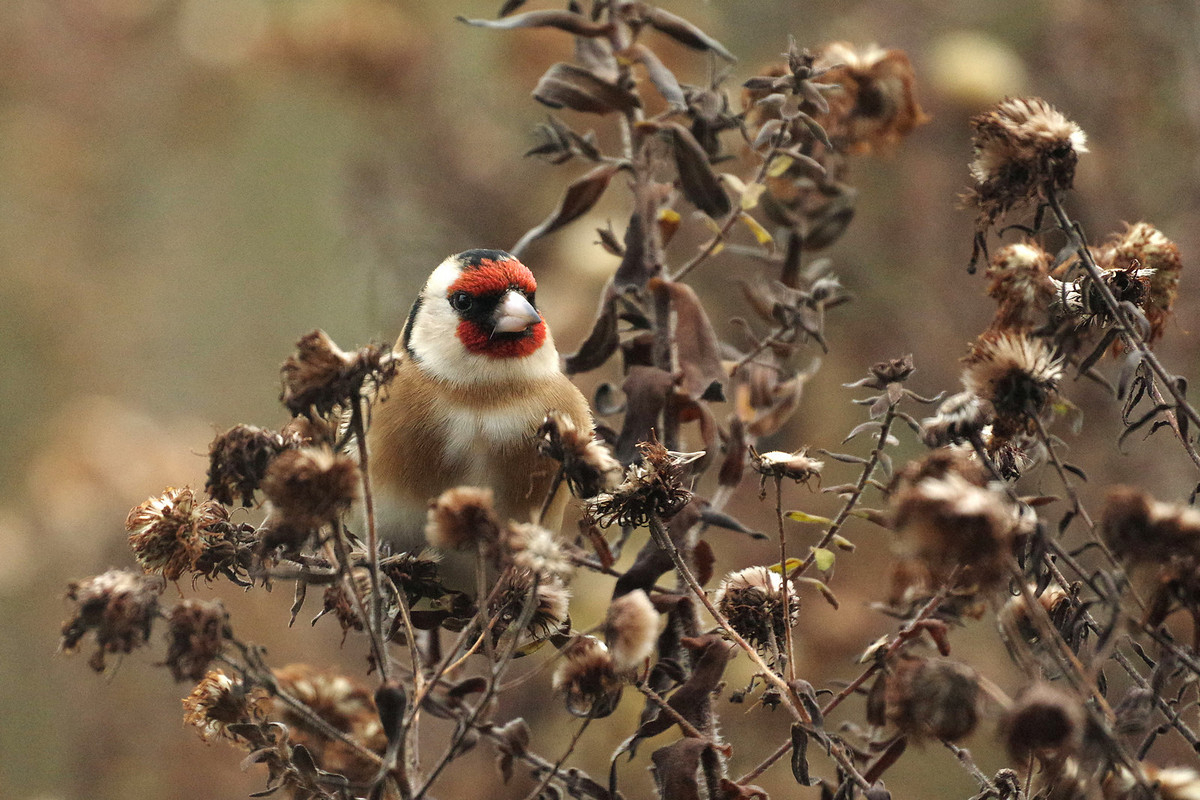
(895, 370)
(588, 678)
(1174, 783)
(752, 600)
(797, 466)
(532, 548)
(954, 525)
(653, 486)
(238, 461)
(196, 632)
(1022, 287)
(311, 486)
(415, 574)
(551, 607)
(341, 702)
(169, 533)
(1144, 248)
(320, 376)
(1022, 147)
(1014, 617)
(631, 629)
(960, 417)
(119, 606)
(1044, 720)
(588, 463)
(1017, 374)
(460, 517)
(219, 701)
(932, 697)
(1139, 528)
(941, 463)
(877, 106)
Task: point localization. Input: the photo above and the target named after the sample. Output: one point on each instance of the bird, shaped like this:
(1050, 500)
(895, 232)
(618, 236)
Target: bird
(478, 373)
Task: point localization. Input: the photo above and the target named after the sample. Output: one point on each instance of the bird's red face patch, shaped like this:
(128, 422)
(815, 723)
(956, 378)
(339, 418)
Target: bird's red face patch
(493, 278)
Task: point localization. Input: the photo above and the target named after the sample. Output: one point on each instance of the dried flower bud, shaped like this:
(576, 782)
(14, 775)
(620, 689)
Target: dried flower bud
(196, 632)
(1144, 246)
(588, 463)
(1017, 374)
(1043, 720)
(219, 701)
(877, 106)
(238, 461)
(1022, 287)
(960, 417)
(631, 629)
(169, 533)
(1139, 528)
(953, 525)
(797, 466)
(532, 548)
(320, 376)
(551, 607)
(588, 678)
(932, 697)
(1023, 147)
(752, 600)
(345, 705)
(311, 486)
(460, 517)
(654, 485)
(119, 606)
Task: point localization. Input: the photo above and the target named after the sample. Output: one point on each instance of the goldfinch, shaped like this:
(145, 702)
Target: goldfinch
(478, 373)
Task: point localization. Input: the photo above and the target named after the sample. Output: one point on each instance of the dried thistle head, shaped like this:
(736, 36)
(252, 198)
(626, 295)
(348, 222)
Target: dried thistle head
(119, 606)
(652, 486)
(415, 574)
(1174, 783)
(957, 529)
(320, 377)
(931, 697)
(797, 466)
(631, 629)
(1016, 373)
(345, 705)
(1043, 721)
(939, 464)
(1015, 617)
(462, 516)
(196, 633)
(1022, 287)
(238, 461)
(752, 600)
(1146, 250)
(877, 106)
(219, 701)
(588, 678)
(1023, 147)
(550, 607)
(311, 486)
(587, 463)
(532, 548)
(169, 533)
(1144, 530)
(960, 417)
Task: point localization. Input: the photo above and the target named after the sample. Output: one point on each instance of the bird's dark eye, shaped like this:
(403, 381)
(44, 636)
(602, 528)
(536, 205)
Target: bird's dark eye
(461, 301)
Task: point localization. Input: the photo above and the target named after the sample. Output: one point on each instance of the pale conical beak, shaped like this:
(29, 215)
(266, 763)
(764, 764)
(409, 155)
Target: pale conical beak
(515, 314)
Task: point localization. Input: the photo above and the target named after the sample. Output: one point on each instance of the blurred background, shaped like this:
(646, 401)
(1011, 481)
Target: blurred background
(187, 186)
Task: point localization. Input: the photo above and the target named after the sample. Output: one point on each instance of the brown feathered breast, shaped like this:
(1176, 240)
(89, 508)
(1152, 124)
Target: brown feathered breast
(428, 435)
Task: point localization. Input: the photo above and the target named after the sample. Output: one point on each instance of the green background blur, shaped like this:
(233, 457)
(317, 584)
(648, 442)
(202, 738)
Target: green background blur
(186, 186)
